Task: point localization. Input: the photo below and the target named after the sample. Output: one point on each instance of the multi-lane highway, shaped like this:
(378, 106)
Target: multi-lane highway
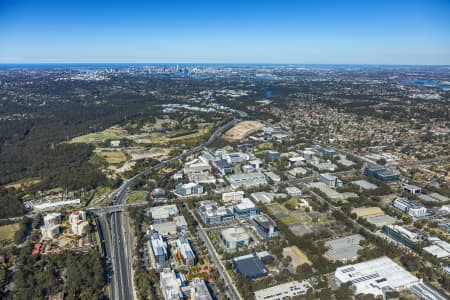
(117, 236)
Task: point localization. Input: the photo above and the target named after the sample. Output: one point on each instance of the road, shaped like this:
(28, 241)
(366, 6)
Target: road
(230, 288)
(117, 243)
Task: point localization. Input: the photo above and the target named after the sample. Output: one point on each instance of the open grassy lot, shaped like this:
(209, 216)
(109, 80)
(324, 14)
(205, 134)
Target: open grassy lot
(241, 130)
(113, 157)
(112, 133)
(295, 218)
(199, 134)
(23, 183)
(297, 255)
(138, 196)
(276, 209)
(7, 231)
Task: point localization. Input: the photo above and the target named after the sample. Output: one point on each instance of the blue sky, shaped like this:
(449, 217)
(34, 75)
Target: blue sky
(340, 32)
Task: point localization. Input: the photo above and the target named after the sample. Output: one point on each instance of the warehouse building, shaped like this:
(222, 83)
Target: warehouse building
(283, 291)
(250, 266)
(375, 276)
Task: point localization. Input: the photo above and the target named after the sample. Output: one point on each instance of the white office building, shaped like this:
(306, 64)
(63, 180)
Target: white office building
(410, 207)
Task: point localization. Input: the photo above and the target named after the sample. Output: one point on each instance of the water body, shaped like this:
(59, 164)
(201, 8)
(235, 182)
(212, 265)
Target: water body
(429, 83)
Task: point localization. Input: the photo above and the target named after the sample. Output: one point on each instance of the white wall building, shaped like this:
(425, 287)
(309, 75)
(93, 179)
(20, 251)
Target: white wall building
(375, 276)
(410, 207)
(283, 291)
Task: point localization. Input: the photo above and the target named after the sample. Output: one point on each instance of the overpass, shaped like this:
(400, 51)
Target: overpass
(115, 208)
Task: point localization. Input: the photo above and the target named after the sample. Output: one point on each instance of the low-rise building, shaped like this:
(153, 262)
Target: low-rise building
(263, 197)
(212, 214)
(223, 166)
(367, 212)
(438, 248)
(375, 276)
(247, 180)
(245, 209)
(185, 252)
(330, 180)
(233, 197)
(159, 249)
(196, 290)
(293, 191)
(50, 231)
(410, 207)
(235, 238)
(381, 173)
(272, 176)
(412, 189)
(170, 285)
(283, 291)
(264, 226)
(52, 218)
(250, 266)
(402, 235)
(163, 212)
(345, 248)
(189, 189)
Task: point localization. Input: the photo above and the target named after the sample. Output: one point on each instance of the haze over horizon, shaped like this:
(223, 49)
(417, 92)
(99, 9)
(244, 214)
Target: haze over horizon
(291, 32)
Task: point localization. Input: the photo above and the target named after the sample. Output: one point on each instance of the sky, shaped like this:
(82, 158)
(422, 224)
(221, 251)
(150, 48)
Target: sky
(409, 32)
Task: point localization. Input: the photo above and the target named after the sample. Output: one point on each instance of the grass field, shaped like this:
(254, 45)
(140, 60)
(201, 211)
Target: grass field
(276, 209)
(7, 231)
(265, 146)
(137, 197)
(297, 255)
(295, 218)
(23, 183)
(112, 133)
(113, 157)
(241, 130)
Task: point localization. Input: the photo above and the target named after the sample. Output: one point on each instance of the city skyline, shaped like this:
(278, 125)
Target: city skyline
(323, 32)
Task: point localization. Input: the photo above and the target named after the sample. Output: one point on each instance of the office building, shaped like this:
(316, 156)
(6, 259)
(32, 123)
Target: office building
(410, 207)
(235, 238)
(247, 180)
(185, 252)
(402, 235)
(159, 249)
(163, 212)
(330, 180)
(265, 226)
(189, 189)
(222, 166)
(170, 285)
(53, 218)
(412, 189)
(50, 231)
(233, 197)
(245, 209)
(196, 290)
(381, 173)
(375, 276)
(212, 214)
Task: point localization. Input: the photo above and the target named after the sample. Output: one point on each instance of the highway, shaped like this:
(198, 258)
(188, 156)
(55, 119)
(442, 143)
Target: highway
(117, 236)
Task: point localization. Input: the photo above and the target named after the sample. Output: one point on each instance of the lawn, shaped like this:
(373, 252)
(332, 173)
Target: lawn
(113, 157)
(138, 196)
(7, 231)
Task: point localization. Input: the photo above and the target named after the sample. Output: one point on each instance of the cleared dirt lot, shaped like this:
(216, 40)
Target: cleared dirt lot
(241, 130)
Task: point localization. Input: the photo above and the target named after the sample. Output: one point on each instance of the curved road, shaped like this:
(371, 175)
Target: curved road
(117, 236)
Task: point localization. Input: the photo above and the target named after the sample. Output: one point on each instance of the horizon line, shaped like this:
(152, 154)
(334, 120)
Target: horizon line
(220, 63)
